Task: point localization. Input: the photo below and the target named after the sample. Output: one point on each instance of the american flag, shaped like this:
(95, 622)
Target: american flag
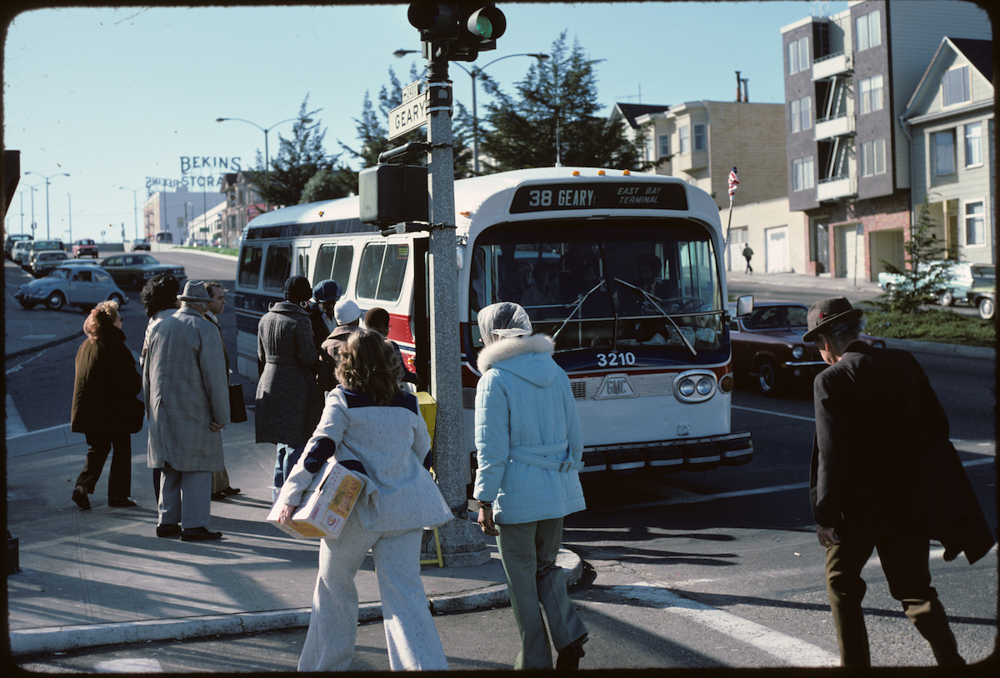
(734, 182)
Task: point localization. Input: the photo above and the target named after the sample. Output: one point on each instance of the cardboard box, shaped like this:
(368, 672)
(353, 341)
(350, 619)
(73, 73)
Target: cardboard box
(325, 505)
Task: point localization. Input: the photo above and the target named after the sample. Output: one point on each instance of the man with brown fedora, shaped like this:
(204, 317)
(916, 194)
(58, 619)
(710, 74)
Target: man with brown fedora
(884, 476)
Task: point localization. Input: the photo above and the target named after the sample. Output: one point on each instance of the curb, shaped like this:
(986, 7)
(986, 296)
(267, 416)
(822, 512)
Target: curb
(62, 638)
(942, 349)
(42, 347)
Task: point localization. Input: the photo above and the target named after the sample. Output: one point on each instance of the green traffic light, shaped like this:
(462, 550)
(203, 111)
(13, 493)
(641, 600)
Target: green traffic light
(484, 27)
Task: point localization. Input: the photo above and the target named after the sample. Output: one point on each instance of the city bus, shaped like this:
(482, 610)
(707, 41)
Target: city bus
(624, 271)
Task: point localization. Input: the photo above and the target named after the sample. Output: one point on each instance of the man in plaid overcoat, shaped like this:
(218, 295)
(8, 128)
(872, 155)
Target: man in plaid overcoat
(187, 403)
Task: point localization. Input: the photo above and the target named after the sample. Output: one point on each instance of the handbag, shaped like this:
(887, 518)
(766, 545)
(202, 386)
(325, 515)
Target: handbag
(237, 408)
(136, 414)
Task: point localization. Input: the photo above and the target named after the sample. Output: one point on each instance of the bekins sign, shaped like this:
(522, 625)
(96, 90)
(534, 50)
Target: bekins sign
(193, 162)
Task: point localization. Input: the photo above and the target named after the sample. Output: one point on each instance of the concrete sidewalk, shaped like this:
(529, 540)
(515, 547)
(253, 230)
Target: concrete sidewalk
(102, 576)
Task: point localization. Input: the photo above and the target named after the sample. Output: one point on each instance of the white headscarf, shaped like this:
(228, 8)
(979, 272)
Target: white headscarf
(505, 319)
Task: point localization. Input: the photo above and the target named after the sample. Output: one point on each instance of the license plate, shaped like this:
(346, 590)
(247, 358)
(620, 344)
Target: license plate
(615, 386)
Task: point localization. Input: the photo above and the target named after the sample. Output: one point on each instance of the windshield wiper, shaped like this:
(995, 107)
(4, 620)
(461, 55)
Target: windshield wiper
(576, 308)
(653, 300)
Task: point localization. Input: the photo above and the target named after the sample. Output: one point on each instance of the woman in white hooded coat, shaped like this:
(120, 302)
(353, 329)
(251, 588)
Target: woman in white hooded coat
(530, 453)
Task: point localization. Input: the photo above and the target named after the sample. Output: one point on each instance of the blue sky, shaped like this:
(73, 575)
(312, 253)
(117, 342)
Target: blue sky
(116, 96)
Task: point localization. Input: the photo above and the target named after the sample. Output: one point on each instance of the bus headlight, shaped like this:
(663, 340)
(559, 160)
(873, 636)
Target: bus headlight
(694, 386)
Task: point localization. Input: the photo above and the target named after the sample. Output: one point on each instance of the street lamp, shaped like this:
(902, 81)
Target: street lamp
(135, 207)
(474, 73)
(265, 130)
(47, 182)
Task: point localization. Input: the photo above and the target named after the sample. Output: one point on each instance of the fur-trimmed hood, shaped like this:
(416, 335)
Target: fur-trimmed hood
(527, 357)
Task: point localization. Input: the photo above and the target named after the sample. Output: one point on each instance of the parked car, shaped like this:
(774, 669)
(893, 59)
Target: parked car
(85, 248)
(133, 270)
(46, 261)
(8, 244)
(962, 276)
(983, 295)
(76, 284)
(34, 247)
(768, 343)
(140, 245)
(17, 250)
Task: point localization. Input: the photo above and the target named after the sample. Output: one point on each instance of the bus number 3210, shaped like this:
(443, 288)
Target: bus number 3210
(615, 359)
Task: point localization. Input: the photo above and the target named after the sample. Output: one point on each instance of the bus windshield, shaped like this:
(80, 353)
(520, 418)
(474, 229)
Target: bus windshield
(635, 282)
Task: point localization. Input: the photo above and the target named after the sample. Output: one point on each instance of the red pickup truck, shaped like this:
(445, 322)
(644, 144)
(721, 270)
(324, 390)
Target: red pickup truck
(85, 248)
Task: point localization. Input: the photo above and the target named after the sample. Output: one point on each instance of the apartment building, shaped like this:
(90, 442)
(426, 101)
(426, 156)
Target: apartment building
(847, 80)
(949, 121)
(700, 142)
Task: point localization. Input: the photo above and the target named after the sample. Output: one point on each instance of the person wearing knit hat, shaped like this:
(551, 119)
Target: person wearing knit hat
(348, 317)
(288, 403)
(326, 294)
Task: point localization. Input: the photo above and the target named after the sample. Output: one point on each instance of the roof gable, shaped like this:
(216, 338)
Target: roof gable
(632, 111)
(952, 52)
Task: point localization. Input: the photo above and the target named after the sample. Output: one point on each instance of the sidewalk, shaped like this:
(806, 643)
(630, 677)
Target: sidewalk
(102, 577)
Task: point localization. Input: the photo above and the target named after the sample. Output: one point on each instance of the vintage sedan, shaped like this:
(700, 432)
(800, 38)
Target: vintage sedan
(768, 344)
(983, 296)
(75, 284)
(133, 270)
(85, 248)
(46, 261)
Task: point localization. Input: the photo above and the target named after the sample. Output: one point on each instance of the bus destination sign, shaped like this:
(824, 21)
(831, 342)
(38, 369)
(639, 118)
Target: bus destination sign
(598, 195)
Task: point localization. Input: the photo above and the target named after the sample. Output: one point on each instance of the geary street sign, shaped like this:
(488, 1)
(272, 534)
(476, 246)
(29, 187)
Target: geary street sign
(411, 115)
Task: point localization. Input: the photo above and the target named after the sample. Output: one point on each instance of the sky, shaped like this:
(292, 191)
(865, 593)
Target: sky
(117, 96)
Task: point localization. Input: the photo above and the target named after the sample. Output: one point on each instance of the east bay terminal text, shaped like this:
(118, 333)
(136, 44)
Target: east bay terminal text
(591, 195)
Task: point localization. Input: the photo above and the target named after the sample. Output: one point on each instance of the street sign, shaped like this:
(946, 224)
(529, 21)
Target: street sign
(411, 91)
(408, 117)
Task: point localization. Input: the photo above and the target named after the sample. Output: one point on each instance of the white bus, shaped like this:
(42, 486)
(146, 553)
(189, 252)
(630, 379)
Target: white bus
(624, 270)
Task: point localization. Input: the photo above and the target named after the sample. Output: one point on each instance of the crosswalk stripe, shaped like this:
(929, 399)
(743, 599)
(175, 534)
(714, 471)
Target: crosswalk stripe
(785, 648)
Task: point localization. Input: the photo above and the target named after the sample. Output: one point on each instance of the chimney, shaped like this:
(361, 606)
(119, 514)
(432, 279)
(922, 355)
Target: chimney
(738, 99)
(746, 92)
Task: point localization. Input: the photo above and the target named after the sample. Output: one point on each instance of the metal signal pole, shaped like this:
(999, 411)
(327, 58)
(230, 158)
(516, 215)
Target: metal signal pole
(462, 542)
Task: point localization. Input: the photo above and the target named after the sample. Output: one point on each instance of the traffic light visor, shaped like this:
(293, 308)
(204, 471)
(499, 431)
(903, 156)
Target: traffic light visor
(437, 18)
(488, 23)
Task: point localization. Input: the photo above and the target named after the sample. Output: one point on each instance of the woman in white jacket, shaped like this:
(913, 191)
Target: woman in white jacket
(530, 453)
(374, 429)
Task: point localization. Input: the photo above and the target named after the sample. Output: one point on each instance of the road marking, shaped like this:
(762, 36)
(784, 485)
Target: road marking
(776, 414)
(701, 498)
(129, 666)
(15, 427)
(785, 648)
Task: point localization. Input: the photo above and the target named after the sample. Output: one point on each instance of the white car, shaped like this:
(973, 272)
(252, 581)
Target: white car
(963, 275)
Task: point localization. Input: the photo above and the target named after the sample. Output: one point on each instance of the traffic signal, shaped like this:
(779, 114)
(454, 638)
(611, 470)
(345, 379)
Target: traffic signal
(458, 32)
(479, 28)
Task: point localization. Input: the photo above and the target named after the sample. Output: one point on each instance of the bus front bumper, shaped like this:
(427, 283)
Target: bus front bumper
(667, 456)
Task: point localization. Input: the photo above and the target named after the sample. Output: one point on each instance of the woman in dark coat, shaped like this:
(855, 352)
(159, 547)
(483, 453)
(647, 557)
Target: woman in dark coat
(104, 405)
(289, 403)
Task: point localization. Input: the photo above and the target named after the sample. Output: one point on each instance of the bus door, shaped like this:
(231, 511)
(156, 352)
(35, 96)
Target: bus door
(420, 323)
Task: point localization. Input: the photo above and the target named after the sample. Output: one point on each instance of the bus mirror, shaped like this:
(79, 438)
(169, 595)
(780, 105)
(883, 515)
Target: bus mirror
(390, 194)
(744, 306)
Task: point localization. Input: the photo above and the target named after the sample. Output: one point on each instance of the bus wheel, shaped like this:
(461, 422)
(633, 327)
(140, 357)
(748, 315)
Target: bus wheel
(767, 377)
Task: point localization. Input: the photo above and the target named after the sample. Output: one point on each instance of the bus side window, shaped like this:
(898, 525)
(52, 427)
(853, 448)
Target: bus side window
(370, 269)
(390, 284)
(334, 262)
(277, 266)
(383, 268)
(250, 266)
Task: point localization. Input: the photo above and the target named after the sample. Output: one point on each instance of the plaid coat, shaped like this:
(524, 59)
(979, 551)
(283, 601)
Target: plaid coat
(186, 386)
